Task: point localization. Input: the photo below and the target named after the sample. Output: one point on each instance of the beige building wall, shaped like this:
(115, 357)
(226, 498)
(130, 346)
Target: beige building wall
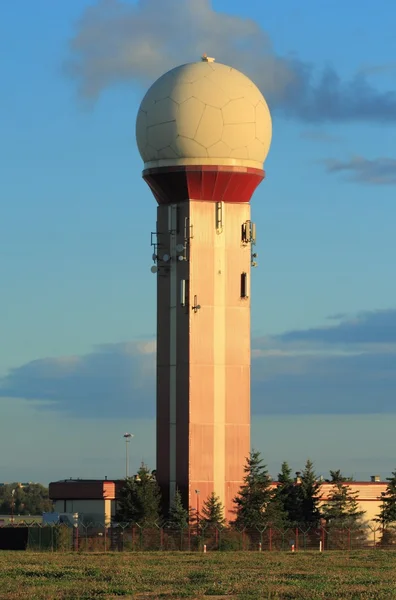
(368, 497)
(369, 501)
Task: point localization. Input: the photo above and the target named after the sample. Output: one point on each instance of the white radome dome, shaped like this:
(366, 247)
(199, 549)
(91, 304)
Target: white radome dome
(203, 113)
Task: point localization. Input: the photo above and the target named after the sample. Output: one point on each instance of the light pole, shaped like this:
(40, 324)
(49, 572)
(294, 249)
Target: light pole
(12, 506)
(127, 437)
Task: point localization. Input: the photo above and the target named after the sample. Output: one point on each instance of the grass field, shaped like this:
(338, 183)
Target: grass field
(239, 575)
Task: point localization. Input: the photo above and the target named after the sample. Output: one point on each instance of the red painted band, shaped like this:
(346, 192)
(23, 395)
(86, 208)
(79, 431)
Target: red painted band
(203, 182)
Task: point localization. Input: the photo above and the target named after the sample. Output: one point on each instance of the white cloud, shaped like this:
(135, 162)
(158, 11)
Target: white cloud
(116, 42)
(347, 367)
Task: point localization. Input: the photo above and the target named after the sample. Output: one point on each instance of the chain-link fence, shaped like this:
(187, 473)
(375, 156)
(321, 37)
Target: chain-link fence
(123, 537)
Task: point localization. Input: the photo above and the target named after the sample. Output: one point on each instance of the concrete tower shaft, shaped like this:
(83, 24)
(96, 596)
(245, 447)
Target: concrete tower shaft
(203, 345)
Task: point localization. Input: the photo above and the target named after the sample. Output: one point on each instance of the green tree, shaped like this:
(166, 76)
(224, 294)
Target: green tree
(178, 515)
(140, 499)
(388, 505)
(287, 494)
(213, 511)
(255, 495)
(337, 476)
(36, 499)
(308, 496)
(127, 509)
(31, 499)
(387, 514)
(342, 508)
(343, 516)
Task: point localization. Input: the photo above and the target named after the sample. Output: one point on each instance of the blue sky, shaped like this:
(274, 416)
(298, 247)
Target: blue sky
(75, 336)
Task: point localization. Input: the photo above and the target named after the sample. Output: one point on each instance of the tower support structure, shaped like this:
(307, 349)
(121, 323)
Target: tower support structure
(203, 249)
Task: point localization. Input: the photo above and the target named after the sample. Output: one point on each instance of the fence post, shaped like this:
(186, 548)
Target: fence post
(323, 537)
(349, 538)
(296, 538)
(270, 538)
(75, 537)
(162, 538)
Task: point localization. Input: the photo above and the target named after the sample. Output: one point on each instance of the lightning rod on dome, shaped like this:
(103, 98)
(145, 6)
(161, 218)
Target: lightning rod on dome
(206, 58)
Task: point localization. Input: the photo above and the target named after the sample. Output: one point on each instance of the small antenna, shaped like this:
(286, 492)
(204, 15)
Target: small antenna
(206, 58)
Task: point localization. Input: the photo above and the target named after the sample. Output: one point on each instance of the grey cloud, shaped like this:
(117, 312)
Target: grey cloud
(116, 42)
(114, 380)
(300, 372)
(379, 171)
(348, 384)
(337, 316)
(375, 327)
(319, 136)
(378, 69)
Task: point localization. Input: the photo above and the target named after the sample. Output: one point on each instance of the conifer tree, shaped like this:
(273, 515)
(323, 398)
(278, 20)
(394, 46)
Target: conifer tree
(140, 499)
(178, 515)
(342, 515)
(388, 505)
(342, 507)
(213, 512)
(387, 514)
(308, 495)
(337, 476)
(126, 511)
(255, 494)
(287, 494)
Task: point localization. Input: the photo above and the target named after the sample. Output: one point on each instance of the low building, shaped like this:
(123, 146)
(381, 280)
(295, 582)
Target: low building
(93, 499)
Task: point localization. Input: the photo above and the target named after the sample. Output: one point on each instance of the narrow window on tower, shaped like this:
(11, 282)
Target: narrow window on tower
(183, 292)
(184, 299)
(244, 285)
(244, 233)
(219, 217)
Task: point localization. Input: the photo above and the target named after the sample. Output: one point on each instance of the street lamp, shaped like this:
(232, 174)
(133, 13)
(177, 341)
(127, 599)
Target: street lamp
(127, 437)
(12, 505)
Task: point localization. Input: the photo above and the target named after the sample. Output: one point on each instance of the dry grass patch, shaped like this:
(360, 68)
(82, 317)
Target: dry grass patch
(358, 575)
